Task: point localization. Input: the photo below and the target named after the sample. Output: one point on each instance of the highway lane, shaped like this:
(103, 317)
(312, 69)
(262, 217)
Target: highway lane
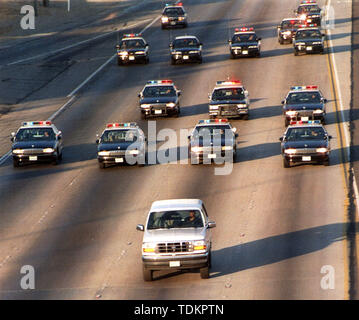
(276, 228)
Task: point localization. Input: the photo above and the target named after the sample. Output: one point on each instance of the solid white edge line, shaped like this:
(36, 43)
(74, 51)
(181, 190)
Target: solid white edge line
(345, 127)
(5, 157)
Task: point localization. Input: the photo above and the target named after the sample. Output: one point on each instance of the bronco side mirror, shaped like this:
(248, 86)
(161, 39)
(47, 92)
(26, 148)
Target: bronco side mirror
(140, 227)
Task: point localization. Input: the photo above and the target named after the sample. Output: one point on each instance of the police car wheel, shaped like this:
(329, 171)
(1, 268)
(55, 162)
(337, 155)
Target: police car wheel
(143, 116)
(286, 122)
(281, 41)
(102, 165)
(245, 117)
(200, 60)
(295, 52)
(204, 272)
(16, 163)
(147, 274)
(232, 56)
(326, 163)
(173, 61)
(258, 54)
(147, 60)
(286, 163)
(119, 62)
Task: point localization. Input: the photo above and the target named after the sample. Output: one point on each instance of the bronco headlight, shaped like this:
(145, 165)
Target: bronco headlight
(196, 149)
(17, 151)
(290, 151)
(241, 106)
(103, 153)
(148, 247)
(145, 106)
(322, 150)
(48, 150)
(213, 107)
(199, 245)
(318, 111)
(164, 19)
(134, 152)
(170, 105)
(227, 148)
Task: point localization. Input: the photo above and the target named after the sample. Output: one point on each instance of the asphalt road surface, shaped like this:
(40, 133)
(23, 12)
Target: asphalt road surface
(276, 228)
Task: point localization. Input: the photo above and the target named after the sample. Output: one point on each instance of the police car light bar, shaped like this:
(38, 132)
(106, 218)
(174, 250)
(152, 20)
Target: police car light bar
(304, 88)
(312, 25)
(243, 29)
(228, 82)
(305, 122)
(179, 4)
(132, 35)
(159, 81)
(41, 123)
(213, 121)
(308, 1)
(117, 125)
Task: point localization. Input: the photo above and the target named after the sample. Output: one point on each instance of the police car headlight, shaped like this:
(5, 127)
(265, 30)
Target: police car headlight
(134, 152)
(48, 150)
(213, 107)
(303, 17)
(164, 19)
(17, 151)
(300, 43)
(104, 153)
(227, 148)
(290, 151)
(252, 47)
(194, 51)
(140, 52)
(318, 111)
(170, 105)
(196, 149)
(322, 150)
(180, 18)
(291, 113)
(317, 42)
(123, 53)
(241, 106)
(176, 52)
(148, 247)
(287, 32)
(145, 106)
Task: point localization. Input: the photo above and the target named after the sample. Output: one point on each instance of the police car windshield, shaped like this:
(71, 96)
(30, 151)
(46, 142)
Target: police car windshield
(212, 131)
(291, 24)
(118, 136)
(245, 37)
(186, 43)
(132, 44)
(35, 134)
(159, 91)
(303, 34)
(303, 97)
(174, 12)
(305, 133)
(228, 94)
(175, 219)
(308, 9)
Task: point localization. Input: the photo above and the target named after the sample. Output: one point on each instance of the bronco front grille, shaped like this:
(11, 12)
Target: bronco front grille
(172, 247)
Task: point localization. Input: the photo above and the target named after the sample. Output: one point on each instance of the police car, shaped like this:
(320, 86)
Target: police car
(121, 143)
(305, 142)
(36, 141)
(213, 140)
(244, 43)
(309, 11)
(308, 39)
(229, 99)
(304, 103)
(174, 15)
(287, 29)
(159, 98)
(132, 48)
(186, 49)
